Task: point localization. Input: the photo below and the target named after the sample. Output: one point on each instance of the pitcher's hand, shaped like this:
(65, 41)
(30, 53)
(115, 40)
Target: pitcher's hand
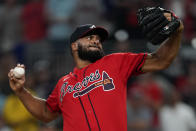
(16, 84)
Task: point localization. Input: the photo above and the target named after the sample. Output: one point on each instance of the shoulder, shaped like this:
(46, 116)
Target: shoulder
(115, 55)
(63, 79)
(120, 54)
(123, 56)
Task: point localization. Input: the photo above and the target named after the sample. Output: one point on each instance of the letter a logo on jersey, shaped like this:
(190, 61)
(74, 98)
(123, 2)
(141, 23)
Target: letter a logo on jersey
(107, 82)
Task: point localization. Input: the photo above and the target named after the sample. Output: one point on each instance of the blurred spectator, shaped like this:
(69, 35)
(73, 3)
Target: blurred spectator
(3, 126)
(16, 115)
(127, 12)
(34, 30)
(34, 21)
(176, 115)
(89, 12)
(176, 69)
(190, 19)
(177, 6)
(108, 8)
(2, 102)
(153, 94)
(42, 79)
(59, 13)
(121, 42)
(60, 18)
(122, 46)
(189, 89)
(10, 26)
(7, 61)
(139, 115)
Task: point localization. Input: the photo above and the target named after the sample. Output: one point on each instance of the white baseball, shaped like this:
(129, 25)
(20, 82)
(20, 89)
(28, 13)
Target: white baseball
(18, 72)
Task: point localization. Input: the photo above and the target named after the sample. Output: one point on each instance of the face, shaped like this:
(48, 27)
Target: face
(90, 48)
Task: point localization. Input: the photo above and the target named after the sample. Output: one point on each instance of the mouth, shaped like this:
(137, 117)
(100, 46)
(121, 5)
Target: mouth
(94, 47)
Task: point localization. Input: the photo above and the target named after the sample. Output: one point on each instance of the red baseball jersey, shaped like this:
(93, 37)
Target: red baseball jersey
(94, 97)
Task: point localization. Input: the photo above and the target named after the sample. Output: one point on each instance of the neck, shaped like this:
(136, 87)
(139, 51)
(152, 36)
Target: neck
(80, 63)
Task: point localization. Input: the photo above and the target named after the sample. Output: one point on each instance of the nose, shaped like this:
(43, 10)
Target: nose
(96, 41)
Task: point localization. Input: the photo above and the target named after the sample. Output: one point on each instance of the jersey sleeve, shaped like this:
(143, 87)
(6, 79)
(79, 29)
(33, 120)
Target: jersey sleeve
(52, 101)
(140, 61)
(128, 64)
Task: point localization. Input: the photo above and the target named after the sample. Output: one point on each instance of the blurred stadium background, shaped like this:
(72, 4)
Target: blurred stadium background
(36, 33)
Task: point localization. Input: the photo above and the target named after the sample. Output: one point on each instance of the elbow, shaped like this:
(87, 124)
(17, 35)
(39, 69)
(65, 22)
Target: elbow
(46, 121)
(166, 65)
(45, 118)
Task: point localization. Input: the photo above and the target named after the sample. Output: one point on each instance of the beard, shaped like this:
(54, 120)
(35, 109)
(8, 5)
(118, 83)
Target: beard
(90, 55)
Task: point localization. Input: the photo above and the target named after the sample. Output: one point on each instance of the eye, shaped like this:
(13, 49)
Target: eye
(88, 38)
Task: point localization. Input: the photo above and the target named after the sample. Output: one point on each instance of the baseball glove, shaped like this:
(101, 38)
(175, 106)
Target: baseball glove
(155, 26)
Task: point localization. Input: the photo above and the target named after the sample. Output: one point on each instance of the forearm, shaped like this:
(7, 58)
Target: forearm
(36, 106)
(165, 54)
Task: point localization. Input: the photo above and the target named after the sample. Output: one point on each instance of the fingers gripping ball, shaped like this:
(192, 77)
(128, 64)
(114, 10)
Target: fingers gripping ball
(18, 72)
(155, 26)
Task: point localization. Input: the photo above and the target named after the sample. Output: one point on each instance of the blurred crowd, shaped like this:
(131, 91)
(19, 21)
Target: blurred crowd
(36, 33)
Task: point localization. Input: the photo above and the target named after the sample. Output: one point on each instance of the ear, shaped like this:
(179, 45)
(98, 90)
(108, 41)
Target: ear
(74, 46)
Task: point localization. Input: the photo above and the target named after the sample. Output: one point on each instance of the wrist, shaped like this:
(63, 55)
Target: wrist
(178, 31)
(181, 27)
(20, 91)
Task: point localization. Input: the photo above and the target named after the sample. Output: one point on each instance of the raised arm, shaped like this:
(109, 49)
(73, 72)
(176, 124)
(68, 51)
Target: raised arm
(36, 106)
(165, 54)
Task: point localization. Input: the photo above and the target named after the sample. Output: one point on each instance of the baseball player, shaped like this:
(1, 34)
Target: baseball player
(93, 96)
